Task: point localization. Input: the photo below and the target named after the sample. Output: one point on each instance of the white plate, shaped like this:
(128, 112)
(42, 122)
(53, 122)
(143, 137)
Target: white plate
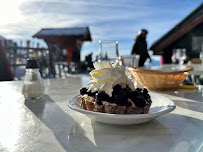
(160, 105)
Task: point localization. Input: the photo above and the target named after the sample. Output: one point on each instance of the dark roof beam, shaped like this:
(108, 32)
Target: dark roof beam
(179, 33)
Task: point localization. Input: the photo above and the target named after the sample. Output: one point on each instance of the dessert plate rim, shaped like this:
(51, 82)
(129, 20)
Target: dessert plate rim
(170, 106)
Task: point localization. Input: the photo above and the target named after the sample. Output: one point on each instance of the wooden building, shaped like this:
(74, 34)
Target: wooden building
(187, 34)
(70, 39)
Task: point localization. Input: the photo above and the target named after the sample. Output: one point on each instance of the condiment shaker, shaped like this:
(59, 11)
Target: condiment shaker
(33, 86)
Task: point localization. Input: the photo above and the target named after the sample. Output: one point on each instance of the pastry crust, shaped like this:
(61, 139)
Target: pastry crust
(90, 105)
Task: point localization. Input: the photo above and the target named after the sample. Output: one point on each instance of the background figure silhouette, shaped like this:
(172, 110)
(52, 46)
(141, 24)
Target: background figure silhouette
(53, 54)
(140, 47)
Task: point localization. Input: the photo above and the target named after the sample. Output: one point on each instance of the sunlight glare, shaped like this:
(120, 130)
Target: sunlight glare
(11, 120)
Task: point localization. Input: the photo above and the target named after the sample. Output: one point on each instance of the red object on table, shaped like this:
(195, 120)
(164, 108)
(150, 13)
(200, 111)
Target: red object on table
(6, 74)
(69, 56)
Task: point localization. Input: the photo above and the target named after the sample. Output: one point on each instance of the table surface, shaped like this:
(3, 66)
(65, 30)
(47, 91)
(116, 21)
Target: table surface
(49, 125)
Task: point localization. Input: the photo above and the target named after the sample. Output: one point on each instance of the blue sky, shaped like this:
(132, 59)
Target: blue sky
(107, 19)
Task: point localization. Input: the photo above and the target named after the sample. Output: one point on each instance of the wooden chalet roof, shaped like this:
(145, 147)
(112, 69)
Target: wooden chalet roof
(74, 32)
(184, 26)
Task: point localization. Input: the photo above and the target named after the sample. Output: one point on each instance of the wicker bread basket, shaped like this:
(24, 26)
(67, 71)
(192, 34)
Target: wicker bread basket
(159, 80)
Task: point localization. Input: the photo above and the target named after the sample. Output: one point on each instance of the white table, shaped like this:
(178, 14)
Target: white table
(49, 125)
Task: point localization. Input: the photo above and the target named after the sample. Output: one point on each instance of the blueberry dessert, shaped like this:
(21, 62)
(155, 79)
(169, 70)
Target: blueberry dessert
(110, 91)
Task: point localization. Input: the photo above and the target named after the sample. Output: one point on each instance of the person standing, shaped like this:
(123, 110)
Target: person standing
(52, 58)
(140, 47)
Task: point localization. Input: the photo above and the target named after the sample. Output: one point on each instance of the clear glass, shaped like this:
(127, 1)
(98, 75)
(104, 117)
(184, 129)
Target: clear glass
(201, 56)
(108, 50)
(129, 60)
(173, 58)
(33, 86)
(181, 56)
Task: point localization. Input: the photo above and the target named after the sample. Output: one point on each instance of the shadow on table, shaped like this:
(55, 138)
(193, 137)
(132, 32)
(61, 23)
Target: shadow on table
(58, 121)
(120, 138)
(191, 105)
(164, 133)
(132, 137)
(171, 132)
(187, 94)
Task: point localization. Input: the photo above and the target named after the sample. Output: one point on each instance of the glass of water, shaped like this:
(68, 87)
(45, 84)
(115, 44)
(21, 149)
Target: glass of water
(201, 56)
(108, 50)
(181, 55)
(130, 60)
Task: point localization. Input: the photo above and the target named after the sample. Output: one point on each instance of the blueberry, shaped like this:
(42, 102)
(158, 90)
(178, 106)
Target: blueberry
(127, 90)
(134, 94)
(91, 93)
(139, 90)
(120, 95)
(147, 97)
(117, 88)
(128, 104)
(98, 102)
(121, 98)
(145, 91)
(133, 97)
(83, 91)
(102, 96)
(111, 100)
(140, 102)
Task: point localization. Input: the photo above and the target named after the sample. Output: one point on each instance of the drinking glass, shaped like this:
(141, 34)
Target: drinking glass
(173, 57)
(181, 56)
(201, 56)
(130, 60)
(108, 50)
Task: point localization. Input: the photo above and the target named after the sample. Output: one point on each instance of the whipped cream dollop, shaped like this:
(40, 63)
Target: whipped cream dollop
(106, 75)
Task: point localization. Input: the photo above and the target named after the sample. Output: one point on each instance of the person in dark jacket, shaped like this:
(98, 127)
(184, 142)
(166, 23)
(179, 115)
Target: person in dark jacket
(140, 47)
